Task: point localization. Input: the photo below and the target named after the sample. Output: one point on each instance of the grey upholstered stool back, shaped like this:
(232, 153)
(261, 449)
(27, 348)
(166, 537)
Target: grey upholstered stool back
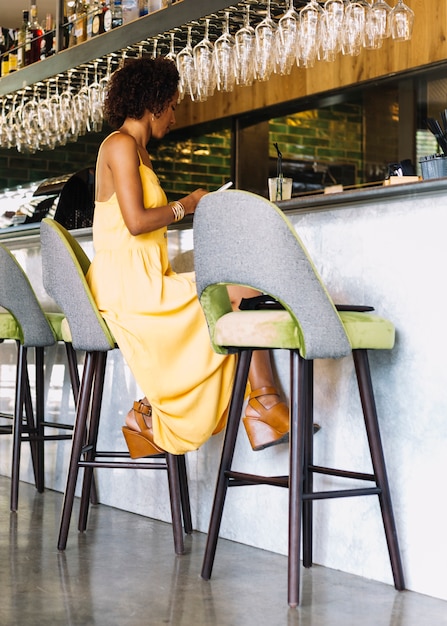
(64, 265)
(233, 225)
(18, 297)
(29, 326)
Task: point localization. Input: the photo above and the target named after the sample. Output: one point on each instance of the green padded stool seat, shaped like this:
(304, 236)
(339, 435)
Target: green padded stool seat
(65, 265)
(276, 329)
(243, 239)
(25, 323)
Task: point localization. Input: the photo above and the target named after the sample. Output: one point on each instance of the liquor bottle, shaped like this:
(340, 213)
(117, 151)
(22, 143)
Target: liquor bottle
(81, 21)
(95, 21)
(154, 5)
(3, 52)
(142, 7)
(117, 13)
(130, 10)
(23, 42)
(106, 16)
(37, 37)
(50, 36)
(70, 12)
(13, 50)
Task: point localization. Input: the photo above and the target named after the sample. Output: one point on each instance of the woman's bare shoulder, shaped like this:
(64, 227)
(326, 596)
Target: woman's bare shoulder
(118, 140)
(118, 148)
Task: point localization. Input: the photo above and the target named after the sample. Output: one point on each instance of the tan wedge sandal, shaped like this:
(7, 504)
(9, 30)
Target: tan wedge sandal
(271, 426)
(141, 442)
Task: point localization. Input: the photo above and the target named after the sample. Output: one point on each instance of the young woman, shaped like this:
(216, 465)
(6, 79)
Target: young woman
(153, 312)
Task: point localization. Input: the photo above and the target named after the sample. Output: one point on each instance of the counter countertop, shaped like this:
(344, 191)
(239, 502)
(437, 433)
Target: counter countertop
(300, 204)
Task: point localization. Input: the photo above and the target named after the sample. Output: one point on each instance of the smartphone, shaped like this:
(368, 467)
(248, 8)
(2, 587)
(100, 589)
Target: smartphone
(226, 186)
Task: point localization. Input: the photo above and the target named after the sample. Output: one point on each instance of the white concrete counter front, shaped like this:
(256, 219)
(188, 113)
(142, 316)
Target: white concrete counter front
(380, 247)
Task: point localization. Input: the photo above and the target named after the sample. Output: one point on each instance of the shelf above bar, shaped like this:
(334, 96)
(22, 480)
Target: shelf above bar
(158, 23)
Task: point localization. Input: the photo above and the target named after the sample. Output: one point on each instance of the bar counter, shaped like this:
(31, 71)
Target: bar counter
(383, 247)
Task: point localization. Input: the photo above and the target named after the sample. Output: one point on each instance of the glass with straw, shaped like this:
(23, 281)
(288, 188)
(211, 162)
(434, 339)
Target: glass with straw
(280, 187)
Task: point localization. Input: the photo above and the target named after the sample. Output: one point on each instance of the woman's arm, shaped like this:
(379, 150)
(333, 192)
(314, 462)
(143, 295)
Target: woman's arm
(121, 167)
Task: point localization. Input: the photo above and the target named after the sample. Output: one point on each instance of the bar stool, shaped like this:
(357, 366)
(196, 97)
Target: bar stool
(30, 327)
(241, 238)
(64, 265)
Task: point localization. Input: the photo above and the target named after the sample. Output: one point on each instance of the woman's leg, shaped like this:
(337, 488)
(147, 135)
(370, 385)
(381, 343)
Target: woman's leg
(266, 416)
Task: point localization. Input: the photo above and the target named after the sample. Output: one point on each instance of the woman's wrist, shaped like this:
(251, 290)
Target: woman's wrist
(178, 210)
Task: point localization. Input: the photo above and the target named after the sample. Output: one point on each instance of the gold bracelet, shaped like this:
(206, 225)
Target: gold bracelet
(178, 210)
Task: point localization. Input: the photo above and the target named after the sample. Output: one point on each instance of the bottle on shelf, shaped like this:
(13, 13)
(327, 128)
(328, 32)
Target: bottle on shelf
(154, 5)
(95, 19)
(81, 21)
(130, 10)
(49, 36)
(143, 8)
(106, 16)
(117, 13)
(70, 13)
(37, 51)
(3, 51)
(13, 51)
(23, 42)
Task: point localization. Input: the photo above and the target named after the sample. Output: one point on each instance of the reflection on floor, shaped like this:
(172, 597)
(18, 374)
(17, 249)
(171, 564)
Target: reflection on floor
(123, 571)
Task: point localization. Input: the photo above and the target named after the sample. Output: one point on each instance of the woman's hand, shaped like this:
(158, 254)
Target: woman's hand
(190, 202)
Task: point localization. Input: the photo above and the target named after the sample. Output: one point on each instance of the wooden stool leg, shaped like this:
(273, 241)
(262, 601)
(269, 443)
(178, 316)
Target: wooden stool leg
(308, 382)
(40, 418)
(234, 417)
(91, 437)
(372, 428)
(299, 373)
(72, 361)
(78, 441)
(175, 498)
(21, 383)
(184, 494)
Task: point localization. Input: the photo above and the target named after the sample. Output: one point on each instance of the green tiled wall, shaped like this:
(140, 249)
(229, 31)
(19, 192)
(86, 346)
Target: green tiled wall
(332, 134)
(184, 161)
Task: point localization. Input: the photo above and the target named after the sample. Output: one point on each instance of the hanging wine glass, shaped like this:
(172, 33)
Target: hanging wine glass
(224, 58)
(204, 66)
(381, 11)
(185, 66)
(45, 119)
(104, 81)
(331, 26)
(154, 48)
(171, 54)
(265, 33)
(245, 51)
(371, 34)
(95, 102)
(286, 40)
(309, 34)
(3, 135)
(11, 122)
(353, 29)
(401, 22)
(77, 109)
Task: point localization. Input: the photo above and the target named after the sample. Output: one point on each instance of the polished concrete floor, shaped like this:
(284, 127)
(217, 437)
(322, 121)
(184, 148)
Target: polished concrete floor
(123, 571)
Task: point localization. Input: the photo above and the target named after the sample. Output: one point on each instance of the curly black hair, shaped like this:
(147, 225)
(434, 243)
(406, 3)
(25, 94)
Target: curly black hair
(141, 84)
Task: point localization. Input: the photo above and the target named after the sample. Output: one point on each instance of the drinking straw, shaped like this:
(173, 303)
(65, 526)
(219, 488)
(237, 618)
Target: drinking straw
(279, 173)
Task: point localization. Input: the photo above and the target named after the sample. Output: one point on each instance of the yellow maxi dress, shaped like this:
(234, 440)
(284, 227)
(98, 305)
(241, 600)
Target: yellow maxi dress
(159, 325)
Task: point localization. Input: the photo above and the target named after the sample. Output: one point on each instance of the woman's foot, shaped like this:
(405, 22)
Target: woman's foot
(138, 432)
(266, 419)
